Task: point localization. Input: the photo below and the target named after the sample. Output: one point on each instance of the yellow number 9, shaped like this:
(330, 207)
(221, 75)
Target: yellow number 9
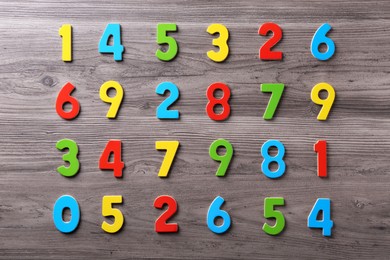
(220, 42)
(115, 101)
(325, 103)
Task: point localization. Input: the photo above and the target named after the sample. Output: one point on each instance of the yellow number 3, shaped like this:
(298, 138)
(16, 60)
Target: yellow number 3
(220, 42)
(325, 103)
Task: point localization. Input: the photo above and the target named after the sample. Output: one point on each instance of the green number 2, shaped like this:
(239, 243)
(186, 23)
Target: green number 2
(162, 38)
(277, 90)
(270, 212)
(70, 157)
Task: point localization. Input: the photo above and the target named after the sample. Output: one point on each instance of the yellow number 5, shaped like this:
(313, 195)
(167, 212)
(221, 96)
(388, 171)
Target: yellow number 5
(220, 42)
(171, 147)
(108, 210)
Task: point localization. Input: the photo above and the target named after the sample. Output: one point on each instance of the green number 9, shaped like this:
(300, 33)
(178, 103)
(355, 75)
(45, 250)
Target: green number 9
(224, 159)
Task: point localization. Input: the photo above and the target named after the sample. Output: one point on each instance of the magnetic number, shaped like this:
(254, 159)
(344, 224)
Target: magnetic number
(326, 223)
(270, 212)
(66, 33)
(114, 101)
(320, 149)
(114, 30)
(224, 159)
(214, 212)
(220, 42)
(223, 101)
(162, 111)
(277, 91)
(65, 97)
(114, 147)
(325, 103)
(265, 52)
(70, 157)
(63, 202)
(171, 148)
(277, 158)
(161, 225)
(162, 38)
(319, 38)
(108, 210)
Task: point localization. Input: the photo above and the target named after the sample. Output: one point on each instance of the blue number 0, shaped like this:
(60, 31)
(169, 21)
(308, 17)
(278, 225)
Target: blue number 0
(268, 159)
(162, 111)
(63, 202)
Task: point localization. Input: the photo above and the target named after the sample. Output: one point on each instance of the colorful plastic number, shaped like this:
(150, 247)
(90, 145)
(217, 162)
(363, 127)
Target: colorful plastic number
(265, 52)
(268, 159)
(171, 148)
(114, 30)
(223, 101)
(214, 212)
(108, 210)
(326, 223)
(65, 97)
(277, 90)
(114, 101)
(162, 111)
(162, 38)
(161, 225)
(63, 202)
(320, 149)
(270, 212)
(70, 157)
(320, 38)
(114, 147)
(325, 103)
(220, 42)
(224, 159)
(66, 33)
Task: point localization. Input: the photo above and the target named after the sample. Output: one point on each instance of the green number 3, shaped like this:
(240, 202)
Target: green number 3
(70, 157)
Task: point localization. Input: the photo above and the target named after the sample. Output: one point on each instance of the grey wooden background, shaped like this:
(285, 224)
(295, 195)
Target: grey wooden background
(357, 131)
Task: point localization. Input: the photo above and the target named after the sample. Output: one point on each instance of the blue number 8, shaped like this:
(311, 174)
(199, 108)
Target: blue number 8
(268, 159)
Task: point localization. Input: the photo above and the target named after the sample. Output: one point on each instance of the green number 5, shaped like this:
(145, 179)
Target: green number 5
(70, 157)
(162, 38)
(270, 212)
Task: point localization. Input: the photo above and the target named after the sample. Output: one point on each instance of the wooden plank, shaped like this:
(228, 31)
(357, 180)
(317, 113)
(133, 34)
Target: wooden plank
(357, 131)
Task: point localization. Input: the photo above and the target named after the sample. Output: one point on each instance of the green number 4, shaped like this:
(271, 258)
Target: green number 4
(277, 90)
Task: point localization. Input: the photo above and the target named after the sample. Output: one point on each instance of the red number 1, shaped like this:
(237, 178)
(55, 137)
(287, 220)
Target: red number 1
(320, 149)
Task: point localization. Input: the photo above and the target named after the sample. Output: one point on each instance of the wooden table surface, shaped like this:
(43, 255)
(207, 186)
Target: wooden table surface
(357, 130)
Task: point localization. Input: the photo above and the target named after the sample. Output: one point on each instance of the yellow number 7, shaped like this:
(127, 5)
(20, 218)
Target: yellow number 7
(171, 148)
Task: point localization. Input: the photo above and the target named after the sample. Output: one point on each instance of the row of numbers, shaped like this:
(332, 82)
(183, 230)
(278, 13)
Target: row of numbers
(114, 148)
(214, 212)
(265, 51)
(163, 111)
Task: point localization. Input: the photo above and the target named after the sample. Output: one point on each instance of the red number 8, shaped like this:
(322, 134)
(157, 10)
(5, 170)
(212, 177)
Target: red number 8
(223, 101)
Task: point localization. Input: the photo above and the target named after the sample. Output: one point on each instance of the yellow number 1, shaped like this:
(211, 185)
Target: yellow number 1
(66, 34)
(220, 42)
(171, 147)
(325, 103)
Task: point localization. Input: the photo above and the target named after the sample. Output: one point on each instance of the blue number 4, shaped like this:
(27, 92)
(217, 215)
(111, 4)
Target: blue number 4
(114, 30)
(326, 223)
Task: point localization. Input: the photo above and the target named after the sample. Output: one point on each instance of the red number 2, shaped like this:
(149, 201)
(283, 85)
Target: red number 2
(223, 101)
(320, 149)
(114, 147)
(161, 225)
(265, 50)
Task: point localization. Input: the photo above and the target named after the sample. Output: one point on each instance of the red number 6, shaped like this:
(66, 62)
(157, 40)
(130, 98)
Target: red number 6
(65, 97)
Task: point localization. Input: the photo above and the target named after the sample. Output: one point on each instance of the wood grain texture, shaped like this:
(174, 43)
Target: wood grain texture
(357, 131)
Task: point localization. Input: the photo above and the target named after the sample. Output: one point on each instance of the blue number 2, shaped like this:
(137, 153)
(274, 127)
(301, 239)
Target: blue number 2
(162, 111)
(114, 30)
(63, 202)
